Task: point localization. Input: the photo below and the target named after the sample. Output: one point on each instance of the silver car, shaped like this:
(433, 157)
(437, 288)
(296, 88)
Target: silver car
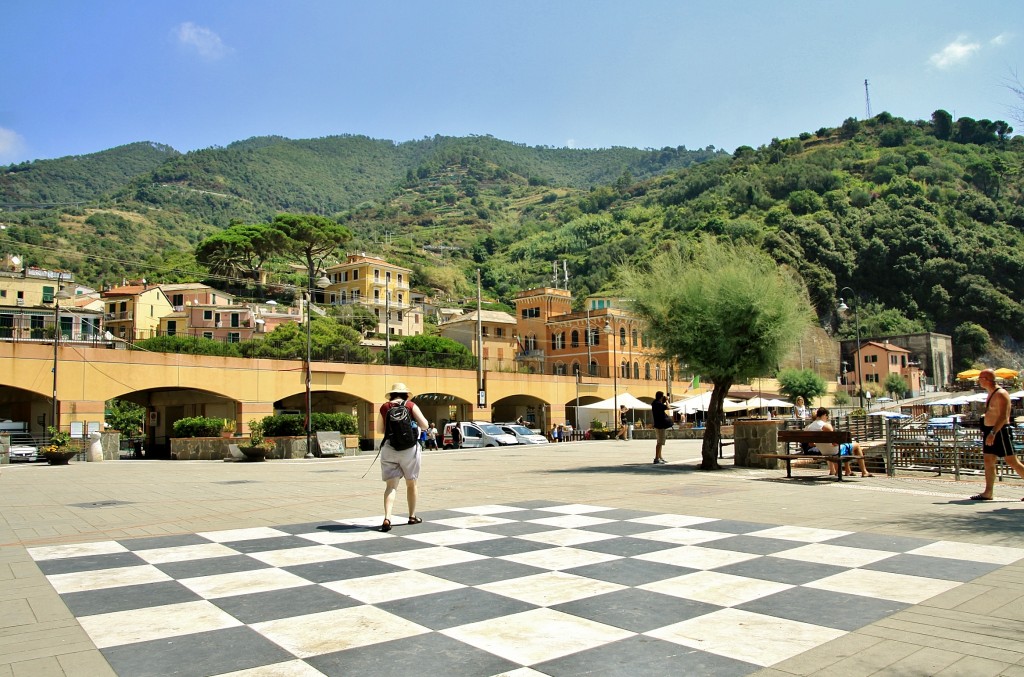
(23, 448)
(523, 434)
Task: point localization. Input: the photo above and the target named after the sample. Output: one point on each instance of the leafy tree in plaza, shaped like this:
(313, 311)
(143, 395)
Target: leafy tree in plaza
(726, 310)
(432, 351)
(896, 385)
(802, 383)
(126, 417)
(312, 237)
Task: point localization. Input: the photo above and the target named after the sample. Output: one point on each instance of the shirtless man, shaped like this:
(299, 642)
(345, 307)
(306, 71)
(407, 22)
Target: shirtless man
(998, 442)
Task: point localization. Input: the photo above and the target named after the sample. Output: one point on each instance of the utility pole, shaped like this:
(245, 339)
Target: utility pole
(867, 101)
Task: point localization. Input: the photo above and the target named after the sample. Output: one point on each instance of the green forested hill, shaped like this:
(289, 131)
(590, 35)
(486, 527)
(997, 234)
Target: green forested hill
(923, 219)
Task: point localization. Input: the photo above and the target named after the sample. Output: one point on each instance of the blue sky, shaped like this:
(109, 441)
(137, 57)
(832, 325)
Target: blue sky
(79, 77)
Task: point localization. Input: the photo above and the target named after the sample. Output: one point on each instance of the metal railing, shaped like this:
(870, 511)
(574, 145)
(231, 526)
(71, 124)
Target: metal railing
(956, 449)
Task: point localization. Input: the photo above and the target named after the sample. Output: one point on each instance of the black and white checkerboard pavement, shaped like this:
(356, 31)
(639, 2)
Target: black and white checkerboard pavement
(527, 588)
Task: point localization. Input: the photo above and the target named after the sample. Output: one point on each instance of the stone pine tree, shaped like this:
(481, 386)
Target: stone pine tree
(726, 310)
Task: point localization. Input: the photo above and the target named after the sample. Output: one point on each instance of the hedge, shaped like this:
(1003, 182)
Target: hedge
(197, 426)
(293, 425)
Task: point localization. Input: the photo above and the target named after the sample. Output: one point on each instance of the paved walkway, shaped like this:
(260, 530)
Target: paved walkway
(788, 577)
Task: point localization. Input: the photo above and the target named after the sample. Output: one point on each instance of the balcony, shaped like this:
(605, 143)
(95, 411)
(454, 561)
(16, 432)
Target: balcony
(116, 317)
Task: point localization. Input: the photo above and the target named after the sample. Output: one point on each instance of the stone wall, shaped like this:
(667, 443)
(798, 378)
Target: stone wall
(756, 437)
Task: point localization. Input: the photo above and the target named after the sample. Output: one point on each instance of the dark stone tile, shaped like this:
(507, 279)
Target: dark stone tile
(642, 656)
(731, 526)
(781, 570)
(636, 610)
(419, 656)
(630, 571)
(530, 515)
(880, 542)
(210, 566)
(68, 565)
(625, 547)
(621, 528)
(379, 546)
(483, 571)
(823, 607)
(275, 604)
(125, 597)
(535, 504)
(321, 527)
(448, 609)
(340, 570)
(155, 542)
(196, 655)
(933, 567)
(622, 514)
(268, 544)
(515, 529)
(501, 546)
(435, 515)
(752, 544)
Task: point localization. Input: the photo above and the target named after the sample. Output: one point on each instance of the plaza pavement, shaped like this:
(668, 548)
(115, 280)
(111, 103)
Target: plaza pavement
(974, 629)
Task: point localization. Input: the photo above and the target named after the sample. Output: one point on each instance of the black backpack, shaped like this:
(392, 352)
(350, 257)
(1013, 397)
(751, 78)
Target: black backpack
(398, 427)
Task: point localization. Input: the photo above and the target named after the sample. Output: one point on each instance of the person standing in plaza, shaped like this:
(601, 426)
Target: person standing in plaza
(662, 422)
(623, 423)
(998, 443)
(400, 451)
(800, 409)
(456, 435)
(432, 436)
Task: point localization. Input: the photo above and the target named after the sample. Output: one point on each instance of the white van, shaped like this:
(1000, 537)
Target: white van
(478, 434)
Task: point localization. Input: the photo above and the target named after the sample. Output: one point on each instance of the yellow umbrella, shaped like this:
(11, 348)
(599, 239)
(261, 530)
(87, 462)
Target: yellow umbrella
(1005, 373)
(968, 375)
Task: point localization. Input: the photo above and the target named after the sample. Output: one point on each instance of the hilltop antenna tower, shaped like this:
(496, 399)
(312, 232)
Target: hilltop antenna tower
(867, 101)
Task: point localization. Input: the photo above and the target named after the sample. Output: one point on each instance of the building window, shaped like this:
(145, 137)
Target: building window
(531, 312)
(387, 277)
(574, 339)
(636, 368)
(234, 337)
(595, 337)
(499, 331)
(399, 278)
(575, 368)
(636, 337)
(559, 369)
(401, 298)
(657, 372)
(172, 327)
(483, 331)
(208, 334)
(531, 342)
(47, 294)
(355, 275)
(376, 275)
(234, 320)
(177, 300)
(3, 293)
(376, 295)
(208, 315)
(593, 368)
(399, 315)
(647, 370)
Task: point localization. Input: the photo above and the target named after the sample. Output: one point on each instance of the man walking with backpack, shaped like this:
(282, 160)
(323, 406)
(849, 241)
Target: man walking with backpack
(400, 451)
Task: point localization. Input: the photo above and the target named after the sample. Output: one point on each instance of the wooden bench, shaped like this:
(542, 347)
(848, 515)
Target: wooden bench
(811, 437)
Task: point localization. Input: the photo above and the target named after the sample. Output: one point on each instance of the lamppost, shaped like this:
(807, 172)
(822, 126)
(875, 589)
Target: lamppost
(609, 332)
(857, 367)
(62, 293)
(590, 339)
(387, 326)
(321, 283)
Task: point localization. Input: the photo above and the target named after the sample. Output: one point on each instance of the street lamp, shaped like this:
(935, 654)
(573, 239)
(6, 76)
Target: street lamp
(62, 293)
(608, 331)
(843, 308)
(321, 283)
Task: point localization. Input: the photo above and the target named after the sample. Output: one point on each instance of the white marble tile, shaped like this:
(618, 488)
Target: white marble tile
(696, 557)
(802, 534)
(341, 537)
(535, 636)
(521, 672)
(683, 536)
(292, 556)
(972, 552)
(388, 587)
(242, 583)
(453, 537)
(472, 521)
(75, 550)
(559, 558)
(423, 558)
(838, 555)
(550, 588)
(294, 668)
(884, 585)
(716, 588)
(185, 553)
(570, 521)
(673, 520)
(486, 509)
(754, 638)
(330, 631)
(573, 509)
(566, 537)
(158, 622)
(250, 534)
(102, 579)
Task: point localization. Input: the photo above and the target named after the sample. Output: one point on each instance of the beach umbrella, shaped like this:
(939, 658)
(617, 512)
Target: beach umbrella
(630, 401)
(968, 375)
(1005, 373)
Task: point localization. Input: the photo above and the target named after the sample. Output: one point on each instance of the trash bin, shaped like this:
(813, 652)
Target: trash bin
(365, 444)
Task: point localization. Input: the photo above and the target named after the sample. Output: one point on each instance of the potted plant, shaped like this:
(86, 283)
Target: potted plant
(228, 428)
(598, 431)
(259, 446)
(59, 451)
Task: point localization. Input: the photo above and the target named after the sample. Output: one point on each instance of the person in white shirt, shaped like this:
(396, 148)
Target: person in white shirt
(820, 422)
(800, 409)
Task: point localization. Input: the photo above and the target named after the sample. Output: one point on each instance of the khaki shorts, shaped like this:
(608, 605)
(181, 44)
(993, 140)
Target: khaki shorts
(398, 464)
(659, 434)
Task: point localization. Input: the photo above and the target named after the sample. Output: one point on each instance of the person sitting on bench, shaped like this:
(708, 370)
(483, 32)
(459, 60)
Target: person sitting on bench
(852, 449)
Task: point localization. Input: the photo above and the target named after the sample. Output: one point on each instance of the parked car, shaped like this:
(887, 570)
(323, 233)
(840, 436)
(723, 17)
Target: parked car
(478, 434)
(23, 448)
(523, 434)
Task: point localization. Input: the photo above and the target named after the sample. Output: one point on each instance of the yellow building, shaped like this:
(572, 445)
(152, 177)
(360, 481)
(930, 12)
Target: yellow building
(379, 286)
(28, 309)
(498, 336)
(134, 311)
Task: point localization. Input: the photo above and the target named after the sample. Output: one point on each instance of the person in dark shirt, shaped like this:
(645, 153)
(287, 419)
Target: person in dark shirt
(662, 422)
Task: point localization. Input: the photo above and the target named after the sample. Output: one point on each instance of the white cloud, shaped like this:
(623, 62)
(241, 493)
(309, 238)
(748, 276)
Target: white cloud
(206, 43)
(955, 52)
(12, 145)
(1000, 39)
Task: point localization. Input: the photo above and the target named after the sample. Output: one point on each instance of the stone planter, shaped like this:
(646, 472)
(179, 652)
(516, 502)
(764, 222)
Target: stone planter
(254, 453)
(58, 457)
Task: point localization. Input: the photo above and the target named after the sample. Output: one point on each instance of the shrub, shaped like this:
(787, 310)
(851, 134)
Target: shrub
(294, 425)
(197, 426)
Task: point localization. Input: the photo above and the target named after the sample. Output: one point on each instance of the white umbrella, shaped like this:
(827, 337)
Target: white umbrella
(1017, 395)
(889, 414)
(702, 402)
(760, 403)
(623, 399)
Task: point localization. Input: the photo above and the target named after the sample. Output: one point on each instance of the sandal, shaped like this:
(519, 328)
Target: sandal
(415, 520)
(979, 497)
(386, 526)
